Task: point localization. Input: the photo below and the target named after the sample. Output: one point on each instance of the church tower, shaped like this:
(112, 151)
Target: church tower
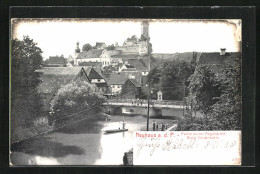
(77, 51)
(145, 30)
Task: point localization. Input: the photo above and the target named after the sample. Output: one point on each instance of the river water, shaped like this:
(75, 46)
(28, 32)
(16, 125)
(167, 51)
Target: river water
(83, 143)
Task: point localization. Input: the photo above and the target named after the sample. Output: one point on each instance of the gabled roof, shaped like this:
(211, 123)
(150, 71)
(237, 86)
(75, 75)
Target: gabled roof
(129, 69)
(216, 59)
(54, 77)
(119, 78)
(186, 56)
(94, 53)
(217, 62)
(57, 60)
(134, 82)
(92, 64)
(129, 66)
(60, 70)
(140, 65)
(93, 73)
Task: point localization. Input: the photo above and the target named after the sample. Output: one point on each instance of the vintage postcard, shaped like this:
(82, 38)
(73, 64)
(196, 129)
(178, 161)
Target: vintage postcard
(125, 91)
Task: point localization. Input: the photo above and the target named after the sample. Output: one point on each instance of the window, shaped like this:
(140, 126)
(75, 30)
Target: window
(98, 80)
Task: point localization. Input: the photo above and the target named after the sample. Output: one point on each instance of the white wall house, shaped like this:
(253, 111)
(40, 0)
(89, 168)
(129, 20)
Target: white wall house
(117, 79)
(116, 88)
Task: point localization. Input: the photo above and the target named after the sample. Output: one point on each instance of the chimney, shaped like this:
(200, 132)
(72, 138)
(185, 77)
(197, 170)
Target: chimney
(131, 77)
(222, 51)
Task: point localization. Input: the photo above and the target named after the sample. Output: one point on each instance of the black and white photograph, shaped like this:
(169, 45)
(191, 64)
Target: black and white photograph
(94, 91)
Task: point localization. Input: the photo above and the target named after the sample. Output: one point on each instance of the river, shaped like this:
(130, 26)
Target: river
(82, 143)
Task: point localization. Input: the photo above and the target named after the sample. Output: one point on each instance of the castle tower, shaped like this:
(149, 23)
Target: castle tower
(145, 30)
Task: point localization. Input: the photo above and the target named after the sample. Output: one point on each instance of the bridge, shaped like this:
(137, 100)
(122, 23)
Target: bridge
(144, 103)
(157, 107)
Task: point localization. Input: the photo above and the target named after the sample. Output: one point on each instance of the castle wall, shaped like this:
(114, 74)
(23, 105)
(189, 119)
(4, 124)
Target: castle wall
(137, 49)
(128, 49)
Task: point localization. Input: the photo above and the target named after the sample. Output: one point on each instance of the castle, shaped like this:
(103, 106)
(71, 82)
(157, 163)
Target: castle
(136, 45)
(133, 45)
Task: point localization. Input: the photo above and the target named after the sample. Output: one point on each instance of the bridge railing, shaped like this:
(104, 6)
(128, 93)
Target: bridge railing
(152, 102)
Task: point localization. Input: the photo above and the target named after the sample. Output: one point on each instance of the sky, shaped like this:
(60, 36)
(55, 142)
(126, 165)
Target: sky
(59, 36)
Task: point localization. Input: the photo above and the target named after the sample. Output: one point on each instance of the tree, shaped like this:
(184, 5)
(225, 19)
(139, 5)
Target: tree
(206, 88)
(111, 47)
(26, 103)
(227, 112)
(86, 47)
(74, 97)
(170, 77)
(218, 97)
(132, 38)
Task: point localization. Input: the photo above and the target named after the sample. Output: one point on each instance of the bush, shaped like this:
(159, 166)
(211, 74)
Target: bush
(75, 97)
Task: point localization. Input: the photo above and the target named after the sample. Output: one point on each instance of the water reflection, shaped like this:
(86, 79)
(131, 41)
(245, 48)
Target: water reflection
(80, 144)
(113, 145)
(19, 158)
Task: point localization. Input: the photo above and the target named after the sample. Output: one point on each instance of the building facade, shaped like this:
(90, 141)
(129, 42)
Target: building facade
(96, 55)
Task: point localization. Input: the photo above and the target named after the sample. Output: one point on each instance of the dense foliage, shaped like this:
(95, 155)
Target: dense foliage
(206, 88)
(26, 103)
(111, 47)
(171, 78)
(218, 97)
(86, 47)
(74, 97)
(228, 110)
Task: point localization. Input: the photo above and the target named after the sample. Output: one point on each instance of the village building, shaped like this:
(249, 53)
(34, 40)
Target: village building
(123, 58)
(218, 61)
(127, 67)
(70, 59)
(131, 89)
(184, 57)
(56, 61)
(95, 77)
(117, 79)
(100, 45)
(54, 77)
(141, 65)
(91, 64)
(95, 55)
(116, 62)
(69, 64)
